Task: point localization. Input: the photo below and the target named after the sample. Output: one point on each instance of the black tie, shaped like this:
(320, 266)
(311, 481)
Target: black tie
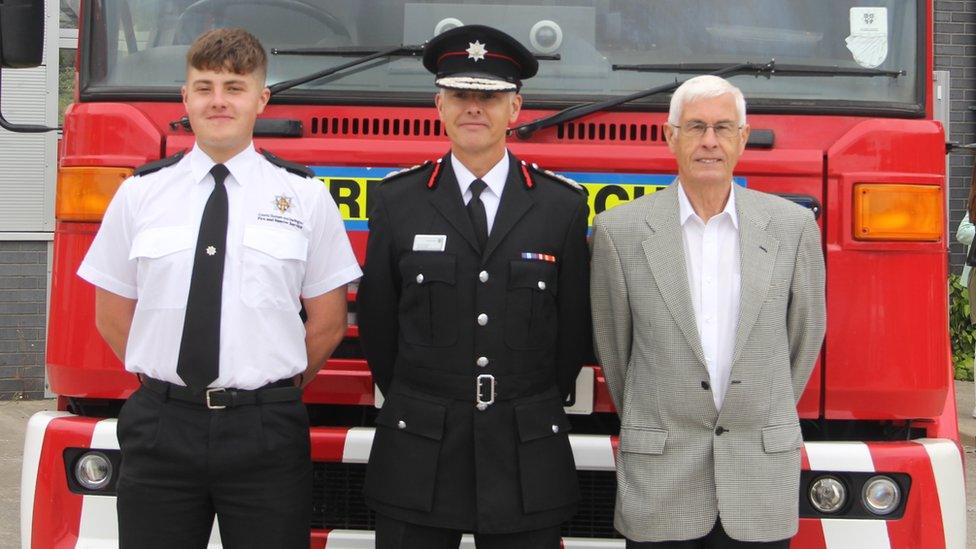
(476, 211)
(199, 360)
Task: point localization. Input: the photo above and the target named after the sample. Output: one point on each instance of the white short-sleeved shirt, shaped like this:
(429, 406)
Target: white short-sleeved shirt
(285, 239)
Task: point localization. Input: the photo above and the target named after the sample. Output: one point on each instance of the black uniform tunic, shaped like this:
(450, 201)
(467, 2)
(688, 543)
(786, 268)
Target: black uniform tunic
(431, 322)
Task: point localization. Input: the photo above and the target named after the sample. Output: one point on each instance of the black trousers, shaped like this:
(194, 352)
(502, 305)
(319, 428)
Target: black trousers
(716, 539)
(182, 464)
(396, 534)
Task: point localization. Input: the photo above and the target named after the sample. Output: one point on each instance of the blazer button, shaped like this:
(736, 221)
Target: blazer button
(482, 319)
(542, 285)
(420, 279)
(719, 430)
(482, 361)
(705, 385)
(483, 276)
(555, 428)
(401, 424)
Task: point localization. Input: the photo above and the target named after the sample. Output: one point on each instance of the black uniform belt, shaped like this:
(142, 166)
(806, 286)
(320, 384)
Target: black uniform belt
(482, 389)
(219, 398)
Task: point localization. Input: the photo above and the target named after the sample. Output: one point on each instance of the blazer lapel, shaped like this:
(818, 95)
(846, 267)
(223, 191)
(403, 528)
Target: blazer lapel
(515, 203)
(757, 257)
(666, 258)
(447, 201)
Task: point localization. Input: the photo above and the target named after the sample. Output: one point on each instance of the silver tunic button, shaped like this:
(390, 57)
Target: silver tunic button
(555, 428)
(483, 276)
(482, 361)
(420, 279)
(542, 285)
(401, 424)
(482, 319)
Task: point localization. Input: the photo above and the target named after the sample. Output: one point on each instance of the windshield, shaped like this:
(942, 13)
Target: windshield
(135, 45)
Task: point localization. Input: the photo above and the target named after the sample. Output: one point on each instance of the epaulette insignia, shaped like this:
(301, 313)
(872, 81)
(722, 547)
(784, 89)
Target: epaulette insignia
(405, 171)
(157, 165)
(293, 167)
(560, 178)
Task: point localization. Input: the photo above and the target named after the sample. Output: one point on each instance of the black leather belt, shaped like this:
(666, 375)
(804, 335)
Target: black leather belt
(220, 398)
(483, 389)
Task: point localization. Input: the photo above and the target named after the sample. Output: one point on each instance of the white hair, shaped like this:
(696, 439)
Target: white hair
(704, 87)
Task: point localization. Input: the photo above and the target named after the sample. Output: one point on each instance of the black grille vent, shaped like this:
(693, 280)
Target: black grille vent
(337, 501)
(593, 131)
(411, 127)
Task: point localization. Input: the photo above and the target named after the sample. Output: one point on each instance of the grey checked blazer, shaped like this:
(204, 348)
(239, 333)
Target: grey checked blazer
(676, 470)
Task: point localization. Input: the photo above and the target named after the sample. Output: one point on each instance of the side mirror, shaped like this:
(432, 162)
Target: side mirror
(21, 46)
(21, 33)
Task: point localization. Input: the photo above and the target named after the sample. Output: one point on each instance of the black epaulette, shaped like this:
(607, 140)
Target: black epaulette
(293, 167)
(412, 169)
(560, 178)
(157, 165)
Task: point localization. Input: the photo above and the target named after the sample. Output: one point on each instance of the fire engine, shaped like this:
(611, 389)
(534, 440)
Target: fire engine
(840, 103)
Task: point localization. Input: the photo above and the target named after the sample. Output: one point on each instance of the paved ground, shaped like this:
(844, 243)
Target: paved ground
(14, 415)
(13, 423)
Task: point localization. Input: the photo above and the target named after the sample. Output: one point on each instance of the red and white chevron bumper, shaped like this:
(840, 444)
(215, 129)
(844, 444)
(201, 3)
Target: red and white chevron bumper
(54, 517)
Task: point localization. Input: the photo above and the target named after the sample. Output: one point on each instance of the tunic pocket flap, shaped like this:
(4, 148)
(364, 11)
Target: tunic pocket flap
(277, 243)
(782, 438)
(642, 441)
(541, 419)
(536, 275)
(414, 416)
(162, 241)
(425, 267)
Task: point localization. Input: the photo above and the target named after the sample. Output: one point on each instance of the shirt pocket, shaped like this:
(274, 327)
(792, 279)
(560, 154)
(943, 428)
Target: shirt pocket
(273, 268)
(530, 305)
(164, 257)
(428, 300)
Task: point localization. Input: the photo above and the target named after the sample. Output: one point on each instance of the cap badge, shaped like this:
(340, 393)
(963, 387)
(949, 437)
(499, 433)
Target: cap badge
(476, 51)
(282, 203)
(211, 250)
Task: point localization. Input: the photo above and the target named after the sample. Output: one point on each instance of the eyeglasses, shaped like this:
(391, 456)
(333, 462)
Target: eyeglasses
(723, 130)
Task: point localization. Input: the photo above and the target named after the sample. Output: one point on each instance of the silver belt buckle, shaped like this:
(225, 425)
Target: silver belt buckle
(479, 402)
(212, 391)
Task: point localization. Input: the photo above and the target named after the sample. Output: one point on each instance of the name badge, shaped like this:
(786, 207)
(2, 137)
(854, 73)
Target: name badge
(429, 242)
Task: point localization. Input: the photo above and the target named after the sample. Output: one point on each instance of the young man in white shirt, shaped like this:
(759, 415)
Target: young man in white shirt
(201, 266)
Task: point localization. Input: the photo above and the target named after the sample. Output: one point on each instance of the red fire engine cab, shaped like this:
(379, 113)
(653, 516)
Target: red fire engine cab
(840, 103)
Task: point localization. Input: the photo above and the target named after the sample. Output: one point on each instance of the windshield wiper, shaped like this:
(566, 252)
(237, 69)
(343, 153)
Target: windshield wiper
(525, 131)
(775, 70)
(769, 69)
(366, 54)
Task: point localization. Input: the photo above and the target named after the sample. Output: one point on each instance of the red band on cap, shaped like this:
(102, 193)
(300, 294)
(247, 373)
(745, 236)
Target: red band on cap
(487, 54)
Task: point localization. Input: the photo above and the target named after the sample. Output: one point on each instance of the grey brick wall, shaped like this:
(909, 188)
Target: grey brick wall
(955, 51)
(23, 310)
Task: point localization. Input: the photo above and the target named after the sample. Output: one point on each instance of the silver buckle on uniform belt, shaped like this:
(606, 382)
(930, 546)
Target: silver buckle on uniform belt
(480, 389)
(212, 391)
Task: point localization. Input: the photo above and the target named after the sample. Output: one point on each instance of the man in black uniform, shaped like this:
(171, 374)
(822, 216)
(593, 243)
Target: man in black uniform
(474, 319)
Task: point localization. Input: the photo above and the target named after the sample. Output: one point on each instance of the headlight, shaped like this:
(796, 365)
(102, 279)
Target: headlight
(881, 495)
(93, 470)
(828, 494)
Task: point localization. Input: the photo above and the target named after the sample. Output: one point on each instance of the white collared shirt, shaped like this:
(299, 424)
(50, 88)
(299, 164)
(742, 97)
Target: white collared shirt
(495, 179)
(285, 239)
(712, 261)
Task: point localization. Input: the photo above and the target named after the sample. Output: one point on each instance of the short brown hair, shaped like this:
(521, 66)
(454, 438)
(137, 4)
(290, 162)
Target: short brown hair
(234, 50)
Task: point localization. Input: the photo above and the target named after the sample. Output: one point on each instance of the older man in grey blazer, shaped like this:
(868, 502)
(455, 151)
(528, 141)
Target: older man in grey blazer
(708, 315)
